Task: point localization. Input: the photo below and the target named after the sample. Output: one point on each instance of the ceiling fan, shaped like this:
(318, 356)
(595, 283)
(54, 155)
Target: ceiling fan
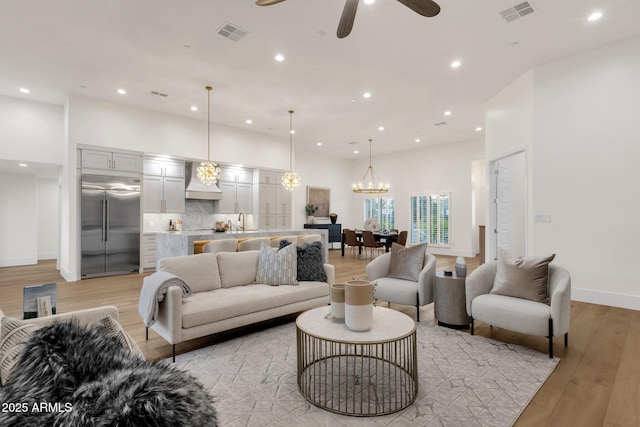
(427, 8)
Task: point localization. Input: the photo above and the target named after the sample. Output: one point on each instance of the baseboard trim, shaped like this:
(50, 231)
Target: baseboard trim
(47, 256)
(631, 302)
(14, 262)
(68, 276)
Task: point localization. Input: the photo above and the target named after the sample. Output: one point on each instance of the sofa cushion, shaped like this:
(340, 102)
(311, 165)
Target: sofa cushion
(227, 303)
(406, 262)
(277, 267)
(199, 271)
(527, 317)
(310, 265)
(252, 244)
(223, 245)
(399, 291)
(238, 268)
(526, 277)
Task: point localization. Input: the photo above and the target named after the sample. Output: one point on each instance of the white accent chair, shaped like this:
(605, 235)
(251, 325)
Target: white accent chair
(400, 291)
(518, 314)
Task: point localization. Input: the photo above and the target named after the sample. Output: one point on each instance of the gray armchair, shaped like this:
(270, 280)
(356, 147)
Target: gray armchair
(400, 291)
(518, 314)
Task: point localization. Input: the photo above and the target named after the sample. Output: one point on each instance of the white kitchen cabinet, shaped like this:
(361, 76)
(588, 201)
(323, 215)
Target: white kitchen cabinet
(267, 177)
(236, 175)
(236, 197)
(266, 199)
(163, 192)
(283, 201)
(111, 160)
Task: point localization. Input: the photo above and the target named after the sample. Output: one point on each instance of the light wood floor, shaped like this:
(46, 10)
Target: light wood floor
(596, 383)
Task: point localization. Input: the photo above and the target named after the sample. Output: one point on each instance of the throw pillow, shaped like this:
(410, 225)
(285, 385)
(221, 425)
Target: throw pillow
(277, 268)
(525, 278)
(310, 265)
(283, 243)
(406, 261)
(111, 328)
(14, 333)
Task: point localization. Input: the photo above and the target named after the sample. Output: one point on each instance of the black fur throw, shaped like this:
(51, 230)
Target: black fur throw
(72, 376)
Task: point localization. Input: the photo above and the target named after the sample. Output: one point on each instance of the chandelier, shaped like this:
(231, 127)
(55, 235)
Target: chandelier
(372, 187)
(208, 172)
(290, 180)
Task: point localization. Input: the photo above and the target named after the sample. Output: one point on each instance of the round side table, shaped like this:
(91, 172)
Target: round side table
(357, 373)
(450, 301)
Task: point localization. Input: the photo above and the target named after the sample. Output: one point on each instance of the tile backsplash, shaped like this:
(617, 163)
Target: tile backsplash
(199, 214)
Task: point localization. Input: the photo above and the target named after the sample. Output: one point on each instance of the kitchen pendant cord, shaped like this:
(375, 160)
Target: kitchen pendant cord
(208, 123)
(291, 140)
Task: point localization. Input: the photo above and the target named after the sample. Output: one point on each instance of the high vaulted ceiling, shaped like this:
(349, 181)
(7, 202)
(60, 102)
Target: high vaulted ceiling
(94, 47)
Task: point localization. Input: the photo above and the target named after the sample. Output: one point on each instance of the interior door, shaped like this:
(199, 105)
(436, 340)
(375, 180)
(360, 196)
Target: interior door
(503, 207)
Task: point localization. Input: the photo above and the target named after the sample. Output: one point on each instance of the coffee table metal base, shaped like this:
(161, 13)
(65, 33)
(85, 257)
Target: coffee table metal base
(365, 379)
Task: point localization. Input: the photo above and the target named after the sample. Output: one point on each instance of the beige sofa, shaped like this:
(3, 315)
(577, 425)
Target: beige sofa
(225, 295)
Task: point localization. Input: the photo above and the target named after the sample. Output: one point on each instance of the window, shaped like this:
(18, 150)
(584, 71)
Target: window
(383, 210)
(430, 219)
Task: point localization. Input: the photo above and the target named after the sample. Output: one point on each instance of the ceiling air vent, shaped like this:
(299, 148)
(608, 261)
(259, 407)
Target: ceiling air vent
(517, 11)
(158, 94)
(440, 124)
(232, 32)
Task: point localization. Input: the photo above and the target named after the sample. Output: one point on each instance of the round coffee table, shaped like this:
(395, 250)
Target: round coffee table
(357, 373)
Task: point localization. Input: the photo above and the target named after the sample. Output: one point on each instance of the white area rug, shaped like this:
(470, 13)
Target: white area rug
(464, 380)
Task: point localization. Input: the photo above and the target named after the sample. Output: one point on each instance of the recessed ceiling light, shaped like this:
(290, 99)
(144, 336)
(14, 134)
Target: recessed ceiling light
(366, 95)
(23, 165)
(380, 128)
(194, 108)
(248, 121)
(292, 131)
(122, 91)
(279, 57)
(595, 16)
(369, 1)
(478, 129)
(24, 90)
(355, 152)
(447, 113)
(417, 139)
(319, 144)
(456, 64)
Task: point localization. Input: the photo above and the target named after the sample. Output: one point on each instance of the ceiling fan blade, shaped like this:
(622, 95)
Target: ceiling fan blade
(427, 8)
(267, 2)
(347, 18)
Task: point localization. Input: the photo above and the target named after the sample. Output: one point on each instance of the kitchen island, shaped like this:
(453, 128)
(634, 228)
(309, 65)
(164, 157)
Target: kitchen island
(177, 243)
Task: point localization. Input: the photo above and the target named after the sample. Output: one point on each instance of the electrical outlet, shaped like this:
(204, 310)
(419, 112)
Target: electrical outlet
(543, 218)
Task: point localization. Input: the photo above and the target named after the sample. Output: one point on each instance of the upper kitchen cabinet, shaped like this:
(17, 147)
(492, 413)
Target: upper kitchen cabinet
(273, 200)
(237, 190)
(163, 186)
(111, 160)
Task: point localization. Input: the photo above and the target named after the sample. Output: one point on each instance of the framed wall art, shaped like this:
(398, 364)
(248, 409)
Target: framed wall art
(320, 197)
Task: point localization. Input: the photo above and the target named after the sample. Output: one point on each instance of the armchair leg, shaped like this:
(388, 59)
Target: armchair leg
(472, 327)
(418, 308)
(174, 353)
(146, 333)
(566, 339)
(550, 338)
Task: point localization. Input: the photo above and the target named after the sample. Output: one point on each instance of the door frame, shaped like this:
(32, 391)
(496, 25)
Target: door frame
(492, 241)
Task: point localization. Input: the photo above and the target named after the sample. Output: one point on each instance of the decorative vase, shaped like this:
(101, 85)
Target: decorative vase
(336, 297)
(461, 267)
(358, 305)
(310, 219)
(333, 219)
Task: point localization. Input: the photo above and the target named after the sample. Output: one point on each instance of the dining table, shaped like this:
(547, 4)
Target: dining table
(386, 237)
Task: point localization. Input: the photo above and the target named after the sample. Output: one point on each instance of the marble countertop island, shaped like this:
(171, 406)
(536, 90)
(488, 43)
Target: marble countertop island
(177, 243)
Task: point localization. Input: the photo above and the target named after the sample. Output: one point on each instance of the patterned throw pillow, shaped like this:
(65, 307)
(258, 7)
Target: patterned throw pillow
(13, 335)
(310, 265)
(277, 268)
(110, 327)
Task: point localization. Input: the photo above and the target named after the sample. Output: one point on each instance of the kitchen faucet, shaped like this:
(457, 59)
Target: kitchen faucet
(241, 216)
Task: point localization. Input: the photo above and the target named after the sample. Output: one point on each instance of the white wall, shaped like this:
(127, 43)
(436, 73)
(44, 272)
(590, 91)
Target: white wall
(578, 119)
(446, 168)
(48, 202)
(18, 216)
(30, 131)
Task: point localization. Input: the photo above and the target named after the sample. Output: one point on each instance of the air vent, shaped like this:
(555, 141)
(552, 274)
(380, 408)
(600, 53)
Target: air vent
(158, 94)
(517, 11)
(352, 142)
(232, 32)
(440, 124)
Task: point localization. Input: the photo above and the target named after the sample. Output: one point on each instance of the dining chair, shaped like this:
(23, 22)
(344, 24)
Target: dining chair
(402, 238)
(351, 240)
(369, 241)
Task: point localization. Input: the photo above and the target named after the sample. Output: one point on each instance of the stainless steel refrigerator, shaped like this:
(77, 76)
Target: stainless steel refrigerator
(110, 218)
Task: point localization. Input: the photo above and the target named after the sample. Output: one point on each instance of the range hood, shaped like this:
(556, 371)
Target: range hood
(196, 189)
